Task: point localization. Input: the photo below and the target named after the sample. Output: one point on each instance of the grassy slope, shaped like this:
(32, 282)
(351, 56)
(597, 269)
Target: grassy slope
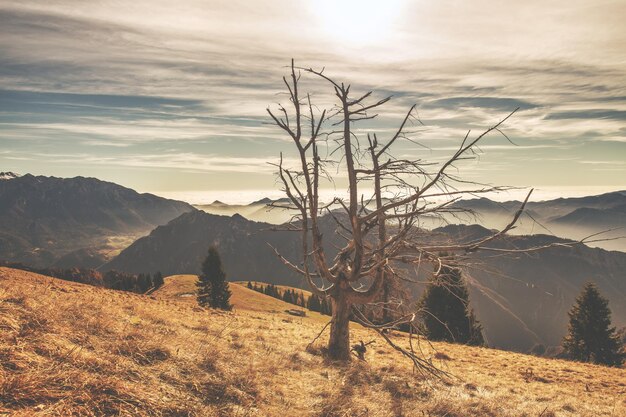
(68, 348)
(182, 288)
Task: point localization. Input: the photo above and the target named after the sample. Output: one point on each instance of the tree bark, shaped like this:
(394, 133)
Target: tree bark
(339, 342)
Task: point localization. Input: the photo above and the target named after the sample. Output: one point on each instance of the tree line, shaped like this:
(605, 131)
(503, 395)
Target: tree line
(116, 280)
(312, 302)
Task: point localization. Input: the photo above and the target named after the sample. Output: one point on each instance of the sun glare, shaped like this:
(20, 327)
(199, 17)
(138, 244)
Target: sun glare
(359, 22)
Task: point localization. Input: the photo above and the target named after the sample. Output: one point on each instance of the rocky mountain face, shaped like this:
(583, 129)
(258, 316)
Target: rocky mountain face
(45, 218)
(521, 299)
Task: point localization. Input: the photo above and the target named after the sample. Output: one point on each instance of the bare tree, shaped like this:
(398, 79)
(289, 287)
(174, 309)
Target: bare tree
(386, 199)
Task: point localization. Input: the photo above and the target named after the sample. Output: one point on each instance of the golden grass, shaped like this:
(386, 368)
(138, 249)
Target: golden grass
(72, 349)
(182, 288)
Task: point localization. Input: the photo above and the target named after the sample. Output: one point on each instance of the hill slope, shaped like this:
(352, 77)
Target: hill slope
(180, 246)
(72, 349)
(183, 289)
(45, 218)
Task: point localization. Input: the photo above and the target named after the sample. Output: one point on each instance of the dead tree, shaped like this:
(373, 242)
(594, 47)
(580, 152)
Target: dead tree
(386, 199)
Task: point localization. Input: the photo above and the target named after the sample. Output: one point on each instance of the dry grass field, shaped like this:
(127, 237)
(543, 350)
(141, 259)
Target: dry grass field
(72, 349)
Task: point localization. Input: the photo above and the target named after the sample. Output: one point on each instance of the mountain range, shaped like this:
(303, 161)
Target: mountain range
(45, 220)
(521, 299)
(260, 210)
(573, 218)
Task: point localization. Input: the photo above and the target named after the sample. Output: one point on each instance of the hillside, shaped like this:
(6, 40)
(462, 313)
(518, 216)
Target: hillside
(507, 292)
(72, 349)
(183, 287)
(181, 245)
(43, 219)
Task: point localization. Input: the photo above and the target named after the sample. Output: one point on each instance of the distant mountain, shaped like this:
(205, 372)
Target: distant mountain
(558, 217)
(573, 218)
(520, 299)
(180, 247)
(259, 210)
(43, 219)
(595, 217)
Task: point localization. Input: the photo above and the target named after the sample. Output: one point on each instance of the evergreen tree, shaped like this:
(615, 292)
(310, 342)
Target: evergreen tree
(590, 337)
(212, 286)
(250, 285)
(314, 303)
(143, 283)
(158, 280)
(445, 310)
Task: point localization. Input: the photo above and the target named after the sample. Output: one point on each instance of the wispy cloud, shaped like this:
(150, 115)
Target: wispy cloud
(151, 85)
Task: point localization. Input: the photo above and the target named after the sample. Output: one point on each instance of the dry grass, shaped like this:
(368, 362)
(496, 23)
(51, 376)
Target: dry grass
(71, 349)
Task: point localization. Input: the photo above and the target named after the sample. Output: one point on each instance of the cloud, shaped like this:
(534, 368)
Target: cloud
(100, 79)
(589, 114)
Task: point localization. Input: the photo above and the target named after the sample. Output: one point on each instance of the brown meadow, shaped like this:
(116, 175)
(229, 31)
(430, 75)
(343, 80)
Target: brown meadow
(73, 349)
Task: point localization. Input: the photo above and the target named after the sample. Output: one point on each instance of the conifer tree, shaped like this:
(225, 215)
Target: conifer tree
(590, 336)
(314, 303)
(213, 289)
(445, 310)
(157, 280)
(250, 285)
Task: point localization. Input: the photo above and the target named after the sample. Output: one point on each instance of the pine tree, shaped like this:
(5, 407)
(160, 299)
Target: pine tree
(212, 286)
(314, 303)
(590, 337)
(445, 310)
(249, 285)
(158, 280)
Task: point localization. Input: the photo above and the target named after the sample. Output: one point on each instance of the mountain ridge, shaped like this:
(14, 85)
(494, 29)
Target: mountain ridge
(45, 218)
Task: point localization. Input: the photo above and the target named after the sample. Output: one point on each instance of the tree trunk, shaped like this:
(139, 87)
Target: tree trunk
(339, 343)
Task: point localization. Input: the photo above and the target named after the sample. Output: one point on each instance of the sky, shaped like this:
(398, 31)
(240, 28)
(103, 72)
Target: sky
(171, 97)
